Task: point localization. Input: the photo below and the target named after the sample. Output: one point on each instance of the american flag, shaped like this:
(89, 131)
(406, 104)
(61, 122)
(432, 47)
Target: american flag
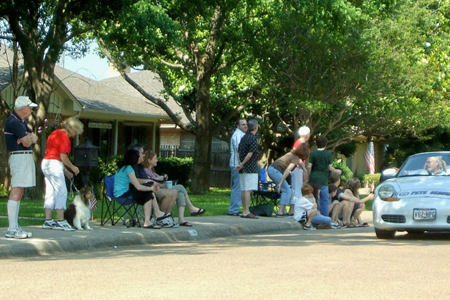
(369, 157)
(93, 203)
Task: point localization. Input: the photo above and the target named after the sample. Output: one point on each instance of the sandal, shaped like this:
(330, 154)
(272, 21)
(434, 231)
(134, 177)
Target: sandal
(187, 224)
(200, 211)
(250, 216)
(165, 216)
(152, 226)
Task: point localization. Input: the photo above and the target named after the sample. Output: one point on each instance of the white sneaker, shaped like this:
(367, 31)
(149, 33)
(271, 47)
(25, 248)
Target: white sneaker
(49, 224)
(16, 233)
(63, 225)
(29, 234)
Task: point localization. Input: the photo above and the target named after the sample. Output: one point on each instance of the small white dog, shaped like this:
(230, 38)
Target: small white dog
(79, 212)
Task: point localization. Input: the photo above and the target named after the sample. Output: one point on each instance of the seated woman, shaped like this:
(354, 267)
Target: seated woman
(150, 162)
(126, 184)
(351, 189)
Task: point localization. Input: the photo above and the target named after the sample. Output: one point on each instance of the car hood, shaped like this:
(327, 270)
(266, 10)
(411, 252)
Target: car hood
(421, 185)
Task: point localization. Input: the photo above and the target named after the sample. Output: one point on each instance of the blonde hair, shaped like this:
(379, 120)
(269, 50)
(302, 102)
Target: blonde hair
(149, 154)
(73, 125)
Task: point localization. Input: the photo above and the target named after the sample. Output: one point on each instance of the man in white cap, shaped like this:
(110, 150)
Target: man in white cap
(19, 138)
(297, 174)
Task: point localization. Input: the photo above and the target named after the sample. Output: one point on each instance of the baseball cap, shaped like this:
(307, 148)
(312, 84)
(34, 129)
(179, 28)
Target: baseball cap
(22, 101)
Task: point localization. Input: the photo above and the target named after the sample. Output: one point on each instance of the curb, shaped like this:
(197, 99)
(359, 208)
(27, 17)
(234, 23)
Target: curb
(49, 242)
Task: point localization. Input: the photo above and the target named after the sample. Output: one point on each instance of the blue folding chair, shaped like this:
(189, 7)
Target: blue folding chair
(117, 209)
(265, 199)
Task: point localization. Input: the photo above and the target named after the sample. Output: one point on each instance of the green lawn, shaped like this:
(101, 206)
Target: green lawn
(32, 212)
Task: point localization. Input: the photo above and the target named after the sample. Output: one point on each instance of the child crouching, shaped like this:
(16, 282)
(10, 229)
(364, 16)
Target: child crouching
(305, 210)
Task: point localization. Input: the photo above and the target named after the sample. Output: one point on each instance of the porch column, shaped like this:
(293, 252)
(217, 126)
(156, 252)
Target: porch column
(115, 136)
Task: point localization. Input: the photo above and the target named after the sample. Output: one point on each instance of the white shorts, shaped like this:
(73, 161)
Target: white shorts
(23, 170)
(248, 181)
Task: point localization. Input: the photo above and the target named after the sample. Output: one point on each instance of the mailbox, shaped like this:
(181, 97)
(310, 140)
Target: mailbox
(86, 154)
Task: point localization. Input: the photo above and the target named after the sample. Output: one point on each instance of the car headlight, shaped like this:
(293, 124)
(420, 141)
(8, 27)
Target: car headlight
(387, 193)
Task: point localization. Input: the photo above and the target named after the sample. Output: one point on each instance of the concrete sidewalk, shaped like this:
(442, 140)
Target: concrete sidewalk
(46, 242)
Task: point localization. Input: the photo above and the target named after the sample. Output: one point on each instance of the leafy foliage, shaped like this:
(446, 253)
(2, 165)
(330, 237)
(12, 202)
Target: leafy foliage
(176, 168)
(202, 56)
(346, 172)
(350, 68)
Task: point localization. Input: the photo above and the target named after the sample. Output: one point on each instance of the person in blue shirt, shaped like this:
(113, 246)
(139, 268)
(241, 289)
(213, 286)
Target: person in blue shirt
(126, 184)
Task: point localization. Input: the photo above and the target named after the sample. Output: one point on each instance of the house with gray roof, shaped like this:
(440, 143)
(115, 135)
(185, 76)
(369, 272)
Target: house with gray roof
(115, 115)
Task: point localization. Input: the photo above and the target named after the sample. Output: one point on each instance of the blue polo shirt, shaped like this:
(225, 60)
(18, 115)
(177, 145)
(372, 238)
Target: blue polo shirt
(15, 128)
(122, 181)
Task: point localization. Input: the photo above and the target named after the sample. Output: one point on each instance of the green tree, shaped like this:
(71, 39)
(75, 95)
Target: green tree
(201, 53)
(347, 68)
(41, 30)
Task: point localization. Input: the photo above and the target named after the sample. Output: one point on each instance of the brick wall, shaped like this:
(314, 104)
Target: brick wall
(170, 137)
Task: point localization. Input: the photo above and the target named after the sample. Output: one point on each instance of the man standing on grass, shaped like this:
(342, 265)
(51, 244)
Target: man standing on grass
(19, 138)
(235, 197)
(248, 167)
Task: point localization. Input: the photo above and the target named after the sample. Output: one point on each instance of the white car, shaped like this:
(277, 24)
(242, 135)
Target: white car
(414, 198)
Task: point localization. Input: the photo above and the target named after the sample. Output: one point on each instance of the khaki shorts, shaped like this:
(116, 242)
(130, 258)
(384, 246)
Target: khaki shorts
(23, 170)
(248, 181)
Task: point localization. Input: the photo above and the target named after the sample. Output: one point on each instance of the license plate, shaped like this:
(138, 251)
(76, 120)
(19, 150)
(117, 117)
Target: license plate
(424, 214)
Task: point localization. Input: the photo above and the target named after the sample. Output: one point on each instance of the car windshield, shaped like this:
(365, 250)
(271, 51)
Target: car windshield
(426, 164)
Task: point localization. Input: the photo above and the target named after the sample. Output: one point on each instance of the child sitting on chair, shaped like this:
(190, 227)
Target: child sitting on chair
(305, 210)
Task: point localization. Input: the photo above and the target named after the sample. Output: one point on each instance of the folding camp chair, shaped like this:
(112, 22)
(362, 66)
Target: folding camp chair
(117, 209)
(265, 199)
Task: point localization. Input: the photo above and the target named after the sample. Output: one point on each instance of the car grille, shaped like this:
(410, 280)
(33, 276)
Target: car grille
(394, 218)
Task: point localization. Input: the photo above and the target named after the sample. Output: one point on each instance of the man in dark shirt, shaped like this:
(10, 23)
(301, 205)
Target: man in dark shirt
(19, 138)
(248, 167)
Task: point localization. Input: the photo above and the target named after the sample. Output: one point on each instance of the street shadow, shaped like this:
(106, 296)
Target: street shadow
(363, 237)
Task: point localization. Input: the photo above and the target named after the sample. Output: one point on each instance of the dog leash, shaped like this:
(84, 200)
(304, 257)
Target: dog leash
(73, 188)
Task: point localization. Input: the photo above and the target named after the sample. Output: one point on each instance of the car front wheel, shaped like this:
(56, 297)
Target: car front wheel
(384, 234)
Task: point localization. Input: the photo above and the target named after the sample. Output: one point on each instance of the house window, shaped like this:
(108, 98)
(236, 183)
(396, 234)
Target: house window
(133, 135)
(187, 141)
(101, 138)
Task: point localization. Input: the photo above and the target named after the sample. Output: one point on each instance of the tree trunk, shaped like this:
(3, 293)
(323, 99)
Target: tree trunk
(202, 157)
(41, 88)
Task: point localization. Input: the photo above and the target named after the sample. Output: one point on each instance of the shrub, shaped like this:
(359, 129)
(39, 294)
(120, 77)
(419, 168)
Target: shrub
(346, 172)
(176, 168)
(3, 191)
(369, 178)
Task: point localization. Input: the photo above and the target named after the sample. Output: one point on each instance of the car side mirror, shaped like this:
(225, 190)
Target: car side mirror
(388, 174)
